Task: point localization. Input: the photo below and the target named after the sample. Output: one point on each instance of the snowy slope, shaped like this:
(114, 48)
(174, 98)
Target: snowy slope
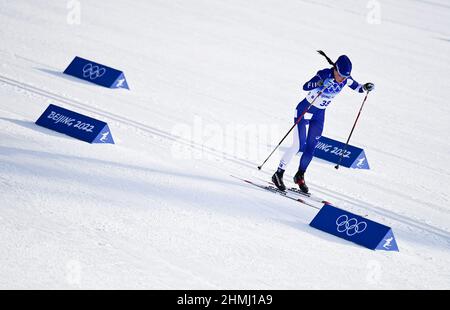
(214, 85)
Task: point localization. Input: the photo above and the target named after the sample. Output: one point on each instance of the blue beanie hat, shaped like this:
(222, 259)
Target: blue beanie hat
(344, 66)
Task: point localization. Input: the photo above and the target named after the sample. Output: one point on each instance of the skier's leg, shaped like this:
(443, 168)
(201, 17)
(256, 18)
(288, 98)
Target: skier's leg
(277, 177)
(298, 143)
(298, 137)
(314, 134)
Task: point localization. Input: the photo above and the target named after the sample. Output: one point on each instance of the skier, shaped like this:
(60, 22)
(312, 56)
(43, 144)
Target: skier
(325, 86)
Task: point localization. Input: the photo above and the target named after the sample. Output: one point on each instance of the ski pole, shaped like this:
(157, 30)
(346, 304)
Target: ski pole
(354, 125)
(298, 120)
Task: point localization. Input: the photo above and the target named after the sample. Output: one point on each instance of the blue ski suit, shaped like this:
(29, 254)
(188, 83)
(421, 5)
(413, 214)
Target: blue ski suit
(306, 140)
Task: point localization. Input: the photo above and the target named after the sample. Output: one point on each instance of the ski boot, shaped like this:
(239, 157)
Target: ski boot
(299, 179)
(277, 179)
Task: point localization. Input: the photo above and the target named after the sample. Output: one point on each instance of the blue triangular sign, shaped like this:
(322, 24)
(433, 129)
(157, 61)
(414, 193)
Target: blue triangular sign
(120, 82)
(361, 162)
(388, 243)
(104, 136)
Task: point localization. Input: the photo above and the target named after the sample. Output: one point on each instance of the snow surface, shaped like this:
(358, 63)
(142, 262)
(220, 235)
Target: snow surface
(159, 209)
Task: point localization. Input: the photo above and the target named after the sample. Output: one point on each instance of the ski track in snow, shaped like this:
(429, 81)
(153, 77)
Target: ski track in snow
(150, 131)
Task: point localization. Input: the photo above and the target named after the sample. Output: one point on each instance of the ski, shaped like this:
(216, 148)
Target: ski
(299, 192)
(315, 198)
(275, 190)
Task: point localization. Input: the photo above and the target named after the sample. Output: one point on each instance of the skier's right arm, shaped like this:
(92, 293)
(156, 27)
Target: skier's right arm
(317, 80)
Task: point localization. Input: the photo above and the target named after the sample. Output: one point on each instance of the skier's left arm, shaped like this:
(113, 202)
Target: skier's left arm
(360, 87)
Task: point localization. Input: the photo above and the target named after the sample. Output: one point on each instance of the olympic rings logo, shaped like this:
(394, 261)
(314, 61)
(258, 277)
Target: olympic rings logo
(350, 226)
(93, 72)
(334, 88)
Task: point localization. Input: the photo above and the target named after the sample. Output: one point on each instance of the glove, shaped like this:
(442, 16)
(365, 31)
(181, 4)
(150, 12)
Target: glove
(369, 87)
(325, 83)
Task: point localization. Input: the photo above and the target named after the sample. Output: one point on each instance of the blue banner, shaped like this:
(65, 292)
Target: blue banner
(355, 228)
(96, 73)
(75, 125)
(331, 150)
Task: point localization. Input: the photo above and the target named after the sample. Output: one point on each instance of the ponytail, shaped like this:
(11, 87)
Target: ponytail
(327, 58)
